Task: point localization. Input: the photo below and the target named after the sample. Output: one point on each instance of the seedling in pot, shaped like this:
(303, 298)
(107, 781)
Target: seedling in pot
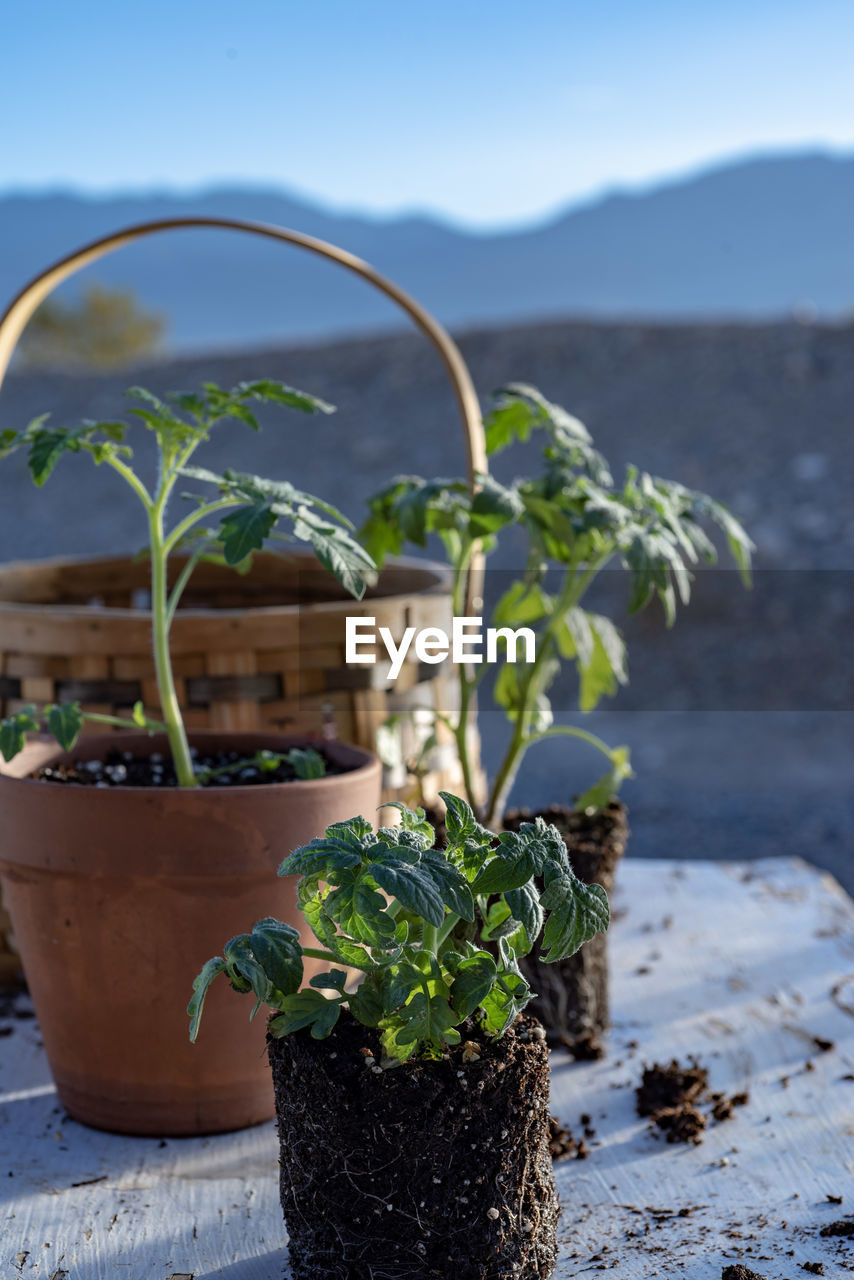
(576, 521)
(409, 1049)
(436, 934)
(248, 512)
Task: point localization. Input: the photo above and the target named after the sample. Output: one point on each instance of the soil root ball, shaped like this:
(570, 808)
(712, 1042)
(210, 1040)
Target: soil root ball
(429, 1169)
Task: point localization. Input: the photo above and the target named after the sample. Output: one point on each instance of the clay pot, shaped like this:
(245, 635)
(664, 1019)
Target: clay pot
(117, 898)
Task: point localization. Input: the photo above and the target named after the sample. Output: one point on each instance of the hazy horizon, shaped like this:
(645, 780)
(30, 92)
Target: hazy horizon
(570, 204)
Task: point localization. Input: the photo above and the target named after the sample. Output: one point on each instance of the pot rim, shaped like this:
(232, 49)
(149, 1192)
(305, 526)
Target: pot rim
(93, 743)
(437, 575)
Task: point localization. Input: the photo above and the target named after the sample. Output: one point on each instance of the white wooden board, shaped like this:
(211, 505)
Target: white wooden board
(739, 964)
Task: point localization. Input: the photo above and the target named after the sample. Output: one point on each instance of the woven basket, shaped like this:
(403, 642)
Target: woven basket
(260, 651)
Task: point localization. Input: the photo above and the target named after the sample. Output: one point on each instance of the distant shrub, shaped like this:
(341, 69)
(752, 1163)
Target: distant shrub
(101, 329)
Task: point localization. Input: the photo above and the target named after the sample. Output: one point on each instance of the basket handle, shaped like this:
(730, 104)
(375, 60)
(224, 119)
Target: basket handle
(21, 308)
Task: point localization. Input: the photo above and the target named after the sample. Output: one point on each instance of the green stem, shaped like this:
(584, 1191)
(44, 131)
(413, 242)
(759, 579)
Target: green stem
(571, 731)
(175, 729)
(189, 522)
(468, 681)
(451, 922)
(182, 580)
(430, 938)
(151, 726)
(573, 589)
(133, 480)
(316, 953)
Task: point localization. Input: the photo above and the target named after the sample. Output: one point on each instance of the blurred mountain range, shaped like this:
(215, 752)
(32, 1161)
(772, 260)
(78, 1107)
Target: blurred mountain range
(752, 239)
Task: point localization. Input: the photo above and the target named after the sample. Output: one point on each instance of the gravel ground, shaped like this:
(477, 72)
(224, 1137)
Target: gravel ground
(740, 719)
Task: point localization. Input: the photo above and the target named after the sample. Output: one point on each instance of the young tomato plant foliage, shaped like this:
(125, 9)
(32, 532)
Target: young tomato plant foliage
(248, 511)
(575, 520)
(436, 934)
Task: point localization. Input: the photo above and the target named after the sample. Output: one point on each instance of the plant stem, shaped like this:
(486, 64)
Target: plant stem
(451, 922)
(468, 682)
(573, 589)
(570, 731)
(189, 522)
(120, 722)
(175, 729)
(183, 578)
(316, 953)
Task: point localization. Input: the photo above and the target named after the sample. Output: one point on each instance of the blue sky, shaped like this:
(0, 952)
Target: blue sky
(486, 111)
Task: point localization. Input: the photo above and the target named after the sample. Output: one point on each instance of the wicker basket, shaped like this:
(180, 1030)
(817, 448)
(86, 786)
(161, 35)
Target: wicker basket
(263, 651)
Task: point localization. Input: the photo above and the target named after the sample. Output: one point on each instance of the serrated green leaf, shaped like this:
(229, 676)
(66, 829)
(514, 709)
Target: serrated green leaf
(46, 448)
(413, 886)
(504, 1003)
(210, 970)
(358, 909)
(413, 820)
(244, 531)
(460, 822)
(450, 884)
(473, 981)
(366, 1003)
(306, 1008)
(277, 949)
(522, 603)
(524, 904)
(64, 721)
(243, 970)
(337, 552)
(493, 507)
(602, 791)
(498, 921)
(267, 389)
(333, 980)
(14, 730)
(306, 762)
(576, 912)
(423, 1022)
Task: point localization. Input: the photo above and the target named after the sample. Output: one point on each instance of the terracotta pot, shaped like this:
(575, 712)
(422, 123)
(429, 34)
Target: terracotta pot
(118, 896)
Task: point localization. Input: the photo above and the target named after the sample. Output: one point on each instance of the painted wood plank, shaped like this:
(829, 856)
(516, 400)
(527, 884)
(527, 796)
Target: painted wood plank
(741, 965)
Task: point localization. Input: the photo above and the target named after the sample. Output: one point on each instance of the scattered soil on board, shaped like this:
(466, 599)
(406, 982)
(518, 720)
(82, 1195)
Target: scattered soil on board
(738, 1272)
(10, 1009)
(844, 1227)
(122, 769)
(672, 1095)
(562, 1141)
(456, 1179)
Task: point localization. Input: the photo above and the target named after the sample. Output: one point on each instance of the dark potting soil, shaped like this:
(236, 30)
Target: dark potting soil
(123, 769)
(572, 1000)
(844, 1227)
(738, 1272)
(424, 1171)
(672, 1095)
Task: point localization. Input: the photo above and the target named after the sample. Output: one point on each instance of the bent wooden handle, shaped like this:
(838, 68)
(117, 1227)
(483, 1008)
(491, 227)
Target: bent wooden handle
(21, 308)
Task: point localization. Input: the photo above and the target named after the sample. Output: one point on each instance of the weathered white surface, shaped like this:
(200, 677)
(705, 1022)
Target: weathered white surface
(736, 963)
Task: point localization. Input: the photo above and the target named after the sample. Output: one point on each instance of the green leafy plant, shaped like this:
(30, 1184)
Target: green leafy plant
(576, 520)
(249, 510)
(436, 934)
